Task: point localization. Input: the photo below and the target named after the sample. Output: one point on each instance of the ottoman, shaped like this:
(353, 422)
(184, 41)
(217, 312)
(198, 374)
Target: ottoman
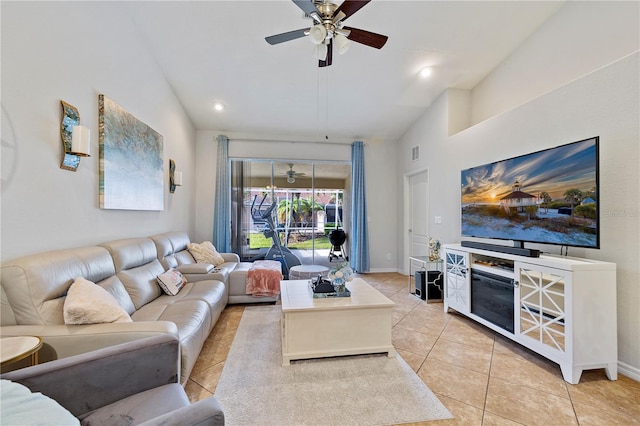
(305, 272)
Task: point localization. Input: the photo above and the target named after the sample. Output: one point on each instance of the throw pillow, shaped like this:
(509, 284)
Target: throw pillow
(205, 253)
(88, 303)
(171, 281)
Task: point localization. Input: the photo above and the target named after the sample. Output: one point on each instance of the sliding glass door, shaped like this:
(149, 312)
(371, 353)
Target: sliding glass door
(299, 203)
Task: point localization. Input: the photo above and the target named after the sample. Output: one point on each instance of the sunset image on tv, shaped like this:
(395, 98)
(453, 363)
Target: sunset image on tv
(545, 197)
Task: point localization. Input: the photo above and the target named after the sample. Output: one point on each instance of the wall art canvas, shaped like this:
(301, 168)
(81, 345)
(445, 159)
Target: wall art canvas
(131, 166)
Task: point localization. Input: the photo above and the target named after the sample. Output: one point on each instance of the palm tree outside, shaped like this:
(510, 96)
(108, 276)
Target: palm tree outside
(573, 196)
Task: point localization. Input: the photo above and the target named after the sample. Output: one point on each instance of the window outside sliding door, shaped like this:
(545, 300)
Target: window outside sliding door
(311, 199)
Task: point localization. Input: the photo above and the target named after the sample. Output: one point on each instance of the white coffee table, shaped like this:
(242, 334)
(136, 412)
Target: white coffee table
(316, 328)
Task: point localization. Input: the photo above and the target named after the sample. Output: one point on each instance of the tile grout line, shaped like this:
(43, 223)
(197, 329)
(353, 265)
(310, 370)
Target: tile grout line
(573, 407)
(486, 393)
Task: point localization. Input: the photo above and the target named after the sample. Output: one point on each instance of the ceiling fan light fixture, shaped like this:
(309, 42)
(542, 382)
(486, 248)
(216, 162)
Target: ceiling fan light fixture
(291, 179)
(317, 34)
(342, 43)
(320, 52)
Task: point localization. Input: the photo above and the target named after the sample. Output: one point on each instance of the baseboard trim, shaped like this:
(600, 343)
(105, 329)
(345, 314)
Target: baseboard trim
(629, 371)
(381, 270)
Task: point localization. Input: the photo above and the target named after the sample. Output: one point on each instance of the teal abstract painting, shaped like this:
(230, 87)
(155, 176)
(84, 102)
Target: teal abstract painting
(131, 165)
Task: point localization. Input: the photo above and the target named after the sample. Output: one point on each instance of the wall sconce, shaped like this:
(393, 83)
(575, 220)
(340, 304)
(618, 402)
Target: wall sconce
(80, 141)
(175, 178)
(75, 138)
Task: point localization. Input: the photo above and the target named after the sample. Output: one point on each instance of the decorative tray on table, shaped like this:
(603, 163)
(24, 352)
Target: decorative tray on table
(323, 288)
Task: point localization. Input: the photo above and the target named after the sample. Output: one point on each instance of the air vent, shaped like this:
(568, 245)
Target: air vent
(415, 153)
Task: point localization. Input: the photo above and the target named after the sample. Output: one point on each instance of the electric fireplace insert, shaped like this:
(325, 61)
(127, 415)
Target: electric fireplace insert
(492, 298)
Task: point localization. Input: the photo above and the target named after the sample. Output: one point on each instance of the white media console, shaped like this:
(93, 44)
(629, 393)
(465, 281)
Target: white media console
(563, 308)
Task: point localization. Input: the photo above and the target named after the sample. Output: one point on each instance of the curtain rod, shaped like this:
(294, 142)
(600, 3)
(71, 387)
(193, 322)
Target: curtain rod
(289, 141)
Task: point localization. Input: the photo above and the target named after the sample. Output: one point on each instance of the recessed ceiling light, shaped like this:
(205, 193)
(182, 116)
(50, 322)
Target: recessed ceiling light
(218, 106)
(426, 72)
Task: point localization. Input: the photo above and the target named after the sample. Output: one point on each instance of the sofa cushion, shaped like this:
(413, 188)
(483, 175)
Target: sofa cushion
(193, 319)
(179, 240)
(88, 303)
(184, 257)
(137, 266)
(132, 252)
(141, 283)
(171, 282)
(172, 249)
(140, 407)
(35, 285)
(115, 288)
(238, 279)
(196, 268)
(205, 253)
(165, 251)
(214, 293)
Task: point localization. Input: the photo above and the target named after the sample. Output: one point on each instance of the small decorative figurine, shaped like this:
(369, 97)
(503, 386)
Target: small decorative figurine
(340, 275)
(434, 249)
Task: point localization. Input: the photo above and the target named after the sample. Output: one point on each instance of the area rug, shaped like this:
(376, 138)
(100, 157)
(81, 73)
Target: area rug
(255, 389)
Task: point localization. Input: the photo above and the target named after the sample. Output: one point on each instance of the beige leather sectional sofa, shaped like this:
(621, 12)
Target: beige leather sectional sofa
(173, 253)
(33, 290)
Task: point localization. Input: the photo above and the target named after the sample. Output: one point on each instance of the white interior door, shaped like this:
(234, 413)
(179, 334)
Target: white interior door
(419, 214)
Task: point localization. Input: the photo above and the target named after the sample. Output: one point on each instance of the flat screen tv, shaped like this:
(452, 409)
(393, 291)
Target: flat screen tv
(546, 197)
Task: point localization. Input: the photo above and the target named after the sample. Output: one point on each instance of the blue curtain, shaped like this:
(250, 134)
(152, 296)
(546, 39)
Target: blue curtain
(359, 241)
(222, 209)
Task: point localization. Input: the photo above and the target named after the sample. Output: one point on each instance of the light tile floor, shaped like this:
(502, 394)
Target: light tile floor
(480, 376)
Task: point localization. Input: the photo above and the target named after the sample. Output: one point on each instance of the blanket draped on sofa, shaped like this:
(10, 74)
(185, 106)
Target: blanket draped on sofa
(263, 278)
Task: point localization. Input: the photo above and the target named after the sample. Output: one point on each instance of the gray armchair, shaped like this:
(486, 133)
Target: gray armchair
(128, 384)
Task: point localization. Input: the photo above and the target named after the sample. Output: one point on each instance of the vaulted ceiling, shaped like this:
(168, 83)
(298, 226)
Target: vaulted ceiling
(215, 51)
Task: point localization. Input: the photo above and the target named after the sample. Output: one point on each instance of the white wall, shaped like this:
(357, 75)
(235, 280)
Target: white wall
(383, 205)
(568, 46)
(552, 90)
(54, 51)
(380, 170)
(605, 104)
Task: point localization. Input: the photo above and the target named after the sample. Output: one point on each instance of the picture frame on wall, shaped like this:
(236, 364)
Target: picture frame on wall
(131, 165)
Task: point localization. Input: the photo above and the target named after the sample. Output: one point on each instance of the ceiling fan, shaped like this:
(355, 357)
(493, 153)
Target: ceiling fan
(292, 174)
(329, 27)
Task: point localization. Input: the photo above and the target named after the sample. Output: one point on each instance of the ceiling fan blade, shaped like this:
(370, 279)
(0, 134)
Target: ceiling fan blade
(349, 7)
(327, 62)
(291, 35)
(338, 16)
(366, 37)
(308, 7)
